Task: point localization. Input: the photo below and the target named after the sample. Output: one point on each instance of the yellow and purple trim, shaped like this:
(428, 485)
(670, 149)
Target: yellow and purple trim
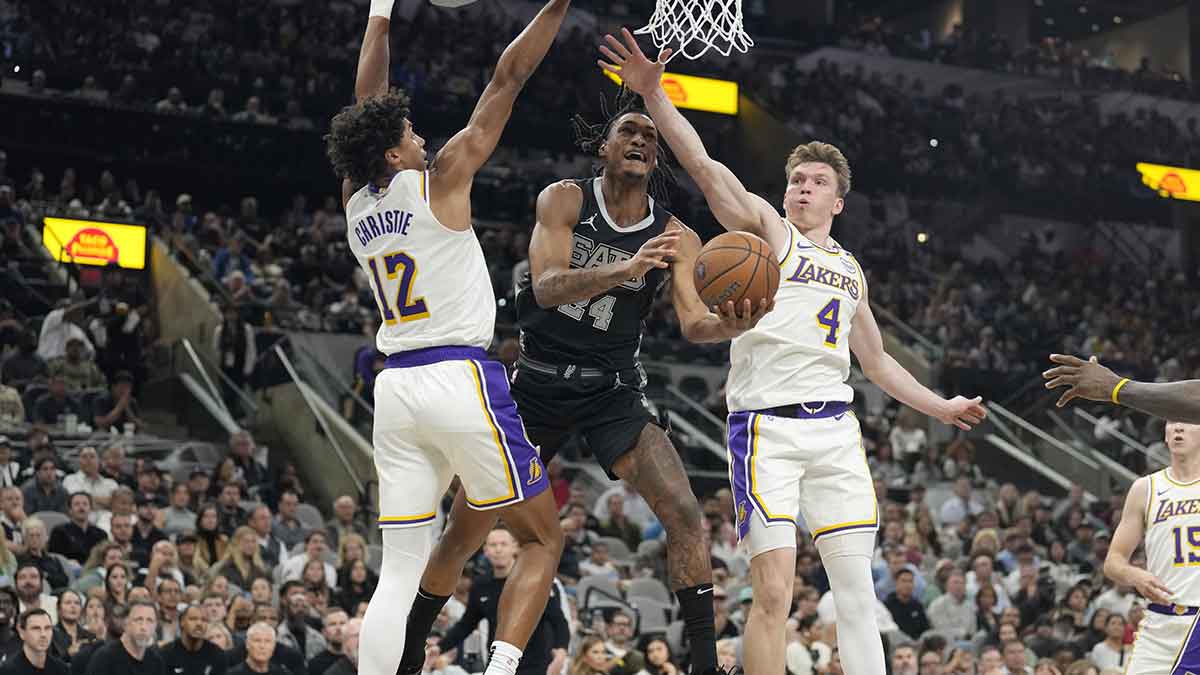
(873, 523)
(1187, 659)
(425, 186)
(406, 521)
(743, 451)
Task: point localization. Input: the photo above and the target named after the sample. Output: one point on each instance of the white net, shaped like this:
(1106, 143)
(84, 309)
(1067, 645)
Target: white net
(693, 27)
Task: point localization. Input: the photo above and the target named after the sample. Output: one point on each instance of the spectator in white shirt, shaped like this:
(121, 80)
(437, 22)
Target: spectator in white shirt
(1118, 600)
(982, 574)
(88, 479)
(598, 564)
(314, 549)
(636, 508)
(1112, 652)
(961, 504)
(58, 327)
(953, 613)
(907, 439)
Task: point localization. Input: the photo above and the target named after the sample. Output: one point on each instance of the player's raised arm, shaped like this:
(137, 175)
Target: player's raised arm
(1094, 382)
(554, 282)
(371, 78)
(699, 323)
(867, 344)
(1125, 541)
(735, 207)
(470, 148)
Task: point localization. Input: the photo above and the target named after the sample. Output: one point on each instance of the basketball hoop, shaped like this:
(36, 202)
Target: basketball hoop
(693, 27)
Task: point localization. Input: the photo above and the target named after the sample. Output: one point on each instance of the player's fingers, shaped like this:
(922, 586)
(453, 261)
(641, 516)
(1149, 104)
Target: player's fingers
(1067, 360)
(962, 425)
(1057, 382)
(973, 419)
(611, 55)
(615, 70)
(617, 46)
(1066, 397)
(1061, 370)
(665, 55)
(630, 41)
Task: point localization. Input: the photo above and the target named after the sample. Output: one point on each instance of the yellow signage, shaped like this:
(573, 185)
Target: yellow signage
(88, 242)
(698, 93)
(1171, 181)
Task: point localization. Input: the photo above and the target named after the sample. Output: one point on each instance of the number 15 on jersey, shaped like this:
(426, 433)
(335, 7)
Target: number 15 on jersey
(397, 266)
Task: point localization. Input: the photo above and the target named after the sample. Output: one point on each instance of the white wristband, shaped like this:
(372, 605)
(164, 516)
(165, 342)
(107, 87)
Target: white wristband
(382, 8)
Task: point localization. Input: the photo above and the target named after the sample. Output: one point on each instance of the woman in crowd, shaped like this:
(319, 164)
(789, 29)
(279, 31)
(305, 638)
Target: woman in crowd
(1112, 652)
(95, 616)
(116, 586)
(358, 587)
(591, 658)
(242, 562)
(70, 634)
(210, 543)
(658, 657)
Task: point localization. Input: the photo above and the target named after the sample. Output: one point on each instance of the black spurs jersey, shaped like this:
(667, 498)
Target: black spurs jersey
(603, 332)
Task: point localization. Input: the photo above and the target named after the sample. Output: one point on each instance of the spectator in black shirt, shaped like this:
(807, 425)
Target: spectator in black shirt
(131, 655)
(260, 647)
(348, 664)
(10, 642)
(34, 658)
(145, 533)
(25, 365)
(55, 402)
(192, 654)
(118, 407)
(69, 633)
(149, 485)
(332, 624)
(45, 493)
(241, 450)
(75, 539)
(34, 532)
(229, 507)
(549, 636)
(906, 609)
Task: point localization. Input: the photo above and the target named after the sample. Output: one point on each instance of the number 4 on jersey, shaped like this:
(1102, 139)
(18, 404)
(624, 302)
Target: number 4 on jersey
(827, 318)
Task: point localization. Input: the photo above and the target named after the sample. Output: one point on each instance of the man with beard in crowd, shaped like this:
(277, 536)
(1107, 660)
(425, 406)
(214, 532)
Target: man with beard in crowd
(29, 590)
(332, 625)
(132, 654)
(10, 642)
(192, 654)
(348, 664)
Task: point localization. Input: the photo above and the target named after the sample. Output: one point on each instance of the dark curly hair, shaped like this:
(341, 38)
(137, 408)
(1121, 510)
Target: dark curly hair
(360, 134)
(589, 137)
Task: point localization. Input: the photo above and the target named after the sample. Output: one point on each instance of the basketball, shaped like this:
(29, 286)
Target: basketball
(736, 266)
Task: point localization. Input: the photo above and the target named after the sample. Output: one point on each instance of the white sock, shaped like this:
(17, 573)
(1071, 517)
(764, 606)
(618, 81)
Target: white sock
(504, 660)
(847, 560)
(382, 8)
(381, 642)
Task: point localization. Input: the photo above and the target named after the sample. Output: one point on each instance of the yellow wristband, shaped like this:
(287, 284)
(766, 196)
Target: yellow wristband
(1117, 390)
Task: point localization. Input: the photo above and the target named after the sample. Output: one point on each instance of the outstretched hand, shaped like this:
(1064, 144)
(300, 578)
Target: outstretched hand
(1084, 379)
(628, 61)
(963, 412)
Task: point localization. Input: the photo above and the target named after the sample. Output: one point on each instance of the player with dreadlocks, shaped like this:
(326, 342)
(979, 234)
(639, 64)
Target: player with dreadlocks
(600, 251)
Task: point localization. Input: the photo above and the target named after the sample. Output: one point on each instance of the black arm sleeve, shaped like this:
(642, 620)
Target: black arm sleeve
(470, 619)
(560, 629)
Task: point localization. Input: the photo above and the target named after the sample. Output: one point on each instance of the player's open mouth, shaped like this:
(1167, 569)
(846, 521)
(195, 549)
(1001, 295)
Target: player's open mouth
(635, 156)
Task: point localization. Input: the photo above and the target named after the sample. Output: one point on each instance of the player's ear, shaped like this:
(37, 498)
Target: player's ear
(838, 206)
(603, 149)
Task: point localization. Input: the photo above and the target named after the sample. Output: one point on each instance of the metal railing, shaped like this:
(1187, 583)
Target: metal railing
(203, 365)
(1128, 441)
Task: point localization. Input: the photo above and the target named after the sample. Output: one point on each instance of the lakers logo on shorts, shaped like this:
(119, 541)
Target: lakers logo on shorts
(1180, 610)
(741, 513)
(535, 471)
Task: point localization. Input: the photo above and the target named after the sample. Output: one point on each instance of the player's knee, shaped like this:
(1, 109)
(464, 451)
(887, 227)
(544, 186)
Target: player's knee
(772, 597)
(680, 513)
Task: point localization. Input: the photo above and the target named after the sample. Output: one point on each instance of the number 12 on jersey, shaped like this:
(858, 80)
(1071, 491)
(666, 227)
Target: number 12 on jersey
(398, 265)
(827, 319)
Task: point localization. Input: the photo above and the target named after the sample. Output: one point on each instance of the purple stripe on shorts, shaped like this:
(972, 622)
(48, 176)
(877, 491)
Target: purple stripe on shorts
(739, 451)
(430, 355)
(1189, 656)
(530, 473)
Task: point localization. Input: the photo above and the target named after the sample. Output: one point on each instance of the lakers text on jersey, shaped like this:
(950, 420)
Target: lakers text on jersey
(441, 406)
(1168, 640)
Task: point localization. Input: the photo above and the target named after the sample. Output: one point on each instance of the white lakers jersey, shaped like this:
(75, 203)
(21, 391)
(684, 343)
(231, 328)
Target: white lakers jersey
(431, 283)
(1173, 536)
(800, 352)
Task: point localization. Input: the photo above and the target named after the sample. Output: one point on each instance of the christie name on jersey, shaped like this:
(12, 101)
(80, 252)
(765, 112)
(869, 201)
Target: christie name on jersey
(393, 221)
(1178, 507)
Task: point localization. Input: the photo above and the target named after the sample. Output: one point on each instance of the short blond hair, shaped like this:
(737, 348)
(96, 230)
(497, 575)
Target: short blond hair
(825, 153)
